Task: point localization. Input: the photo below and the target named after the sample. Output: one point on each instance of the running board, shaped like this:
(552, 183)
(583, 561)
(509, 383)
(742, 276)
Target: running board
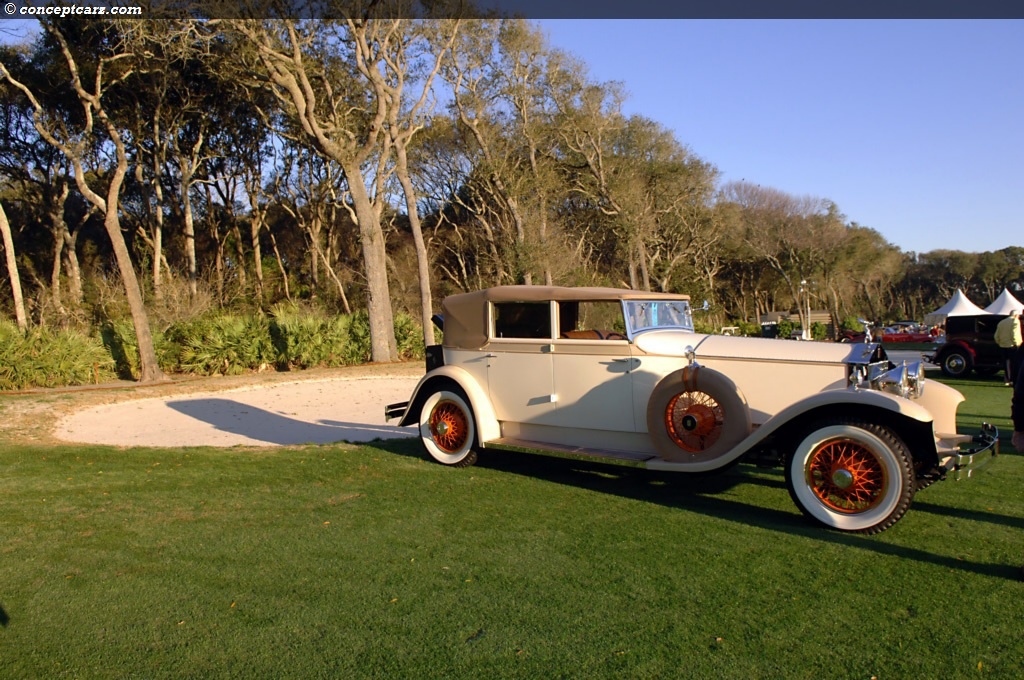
(574, 450)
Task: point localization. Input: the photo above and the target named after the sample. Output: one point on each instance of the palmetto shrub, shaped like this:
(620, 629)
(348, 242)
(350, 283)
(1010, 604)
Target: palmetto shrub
(291, 337)
(223, 345)
(121, 341)
(308, 338)
(44, 358)
(408, 335)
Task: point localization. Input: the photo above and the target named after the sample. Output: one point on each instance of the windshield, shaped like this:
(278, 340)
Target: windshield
(642, 315)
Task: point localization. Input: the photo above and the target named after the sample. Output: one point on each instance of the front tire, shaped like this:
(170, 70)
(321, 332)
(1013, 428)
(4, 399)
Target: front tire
(956, 363)
(447, 428)
(851, 476)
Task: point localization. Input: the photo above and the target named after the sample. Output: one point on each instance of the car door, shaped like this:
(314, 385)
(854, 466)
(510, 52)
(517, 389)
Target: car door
(519, 367)
(591, 364)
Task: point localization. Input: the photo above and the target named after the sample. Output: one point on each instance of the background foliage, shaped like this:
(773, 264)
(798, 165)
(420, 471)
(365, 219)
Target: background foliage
(483, 156)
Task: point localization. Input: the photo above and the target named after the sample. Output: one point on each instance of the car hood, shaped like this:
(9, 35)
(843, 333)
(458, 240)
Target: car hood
(675, 343)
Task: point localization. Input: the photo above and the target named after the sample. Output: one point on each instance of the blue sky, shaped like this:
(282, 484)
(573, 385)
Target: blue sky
(913, 128)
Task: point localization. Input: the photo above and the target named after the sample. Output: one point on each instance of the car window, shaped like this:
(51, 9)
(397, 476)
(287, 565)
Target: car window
(591, 320)
(522, 320)
(645, 314)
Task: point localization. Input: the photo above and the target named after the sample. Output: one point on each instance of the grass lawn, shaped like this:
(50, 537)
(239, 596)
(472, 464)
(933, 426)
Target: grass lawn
(343, 561)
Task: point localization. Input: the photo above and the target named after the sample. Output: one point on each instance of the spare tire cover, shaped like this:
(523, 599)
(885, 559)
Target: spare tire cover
(696, 415)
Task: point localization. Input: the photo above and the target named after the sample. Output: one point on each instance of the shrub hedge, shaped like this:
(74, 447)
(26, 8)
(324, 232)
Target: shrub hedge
(289, 337)
(51, 358)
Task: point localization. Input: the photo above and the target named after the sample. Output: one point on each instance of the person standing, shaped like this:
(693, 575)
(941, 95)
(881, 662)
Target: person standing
(1008, 337)
(1017, 413)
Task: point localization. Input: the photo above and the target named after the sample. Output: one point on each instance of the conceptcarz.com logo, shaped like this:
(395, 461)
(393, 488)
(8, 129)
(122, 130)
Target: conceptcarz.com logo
(12, 9)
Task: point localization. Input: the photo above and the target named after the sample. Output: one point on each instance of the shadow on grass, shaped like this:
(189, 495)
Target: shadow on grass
(704, 494)
(259, 424)
(974, 515)
(4, 619)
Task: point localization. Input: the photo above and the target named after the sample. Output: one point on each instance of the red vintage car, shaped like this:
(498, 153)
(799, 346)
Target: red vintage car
(906, 331)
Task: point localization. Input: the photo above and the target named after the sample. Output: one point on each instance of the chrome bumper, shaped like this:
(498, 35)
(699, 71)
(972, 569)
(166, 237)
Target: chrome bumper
(967, 462)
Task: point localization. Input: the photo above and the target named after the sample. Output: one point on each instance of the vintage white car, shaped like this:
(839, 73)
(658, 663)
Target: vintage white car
(622, 374)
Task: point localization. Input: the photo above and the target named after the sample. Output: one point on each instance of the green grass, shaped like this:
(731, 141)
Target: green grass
(341, 561)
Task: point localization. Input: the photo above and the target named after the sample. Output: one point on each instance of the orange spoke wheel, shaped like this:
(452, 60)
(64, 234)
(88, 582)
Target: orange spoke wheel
(851, 475)
(693, 421)
(846, 476)
(449, 426)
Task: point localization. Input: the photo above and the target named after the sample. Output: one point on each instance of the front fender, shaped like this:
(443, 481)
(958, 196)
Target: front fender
(849, 397)
(487, 427)
(955, 344)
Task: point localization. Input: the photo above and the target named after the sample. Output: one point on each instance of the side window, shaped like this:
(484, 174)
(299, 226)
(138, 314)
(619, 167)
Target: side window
(591, 320)
(522, 320)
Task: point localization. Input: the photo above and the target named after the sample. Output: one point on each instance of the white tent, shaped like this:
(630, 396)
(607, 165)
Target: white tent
(958, 305)
(1005, 304)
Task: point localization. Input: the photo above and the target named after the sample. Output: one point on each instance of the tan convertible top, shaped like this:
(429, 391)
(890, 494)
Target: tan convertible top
(465, 315)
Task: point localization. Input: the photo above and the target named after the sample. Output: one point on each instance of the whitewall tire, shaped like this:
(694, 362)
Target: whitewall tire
(851, 476)
(447, 429)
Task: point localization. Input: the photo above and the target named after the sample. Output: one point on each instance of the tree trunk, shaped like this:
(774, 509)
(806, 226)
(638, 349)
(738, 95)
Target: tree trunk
(257, 256)
(58, 250)
(158, 229)
(422, 263)
(383, 347)
(149, 367)
(190, 228)
(12, 271)
(74, 271)
(280, 266)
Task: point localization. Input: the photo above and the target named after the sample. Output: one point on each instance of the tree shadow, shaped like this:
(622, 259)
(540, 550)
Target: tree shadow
(227, 415)
(4, 618)
(705, 494)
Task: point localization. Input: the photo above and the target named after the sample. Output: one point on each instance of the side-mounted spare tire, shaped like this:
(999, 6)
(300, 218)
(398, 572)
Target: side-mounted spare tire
(697, 415)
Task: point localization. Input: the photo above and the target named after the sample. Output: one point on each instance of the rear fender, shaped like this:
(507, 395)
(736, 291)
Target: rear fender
(487, 427)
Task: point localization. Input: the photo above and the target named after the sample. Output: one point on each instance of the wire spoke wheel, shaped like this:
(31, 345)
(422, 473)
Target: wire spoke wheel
(851, 475)
(694, 421)
(447, 428)
(846, 476)
(696, 416)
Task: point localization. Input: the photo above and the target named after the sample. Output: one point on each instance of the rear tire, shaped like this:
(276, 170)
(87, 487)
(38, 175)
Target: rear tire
(447, 428)
(851, 476)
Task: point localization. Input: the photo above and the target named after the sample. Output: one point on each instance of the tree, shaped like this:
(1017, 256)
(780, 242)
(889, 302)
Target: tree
(112, 66)
(12, 271)
(401, 52)
(308, 66)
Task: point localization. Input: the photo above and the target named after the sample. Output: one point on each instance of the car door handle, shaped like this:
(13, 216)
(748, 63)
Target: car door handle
(623, 361)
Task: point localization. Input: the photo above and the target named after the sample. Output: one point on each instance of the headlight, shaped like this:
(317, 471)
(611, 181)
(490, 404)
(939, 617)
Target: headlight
(906, 380)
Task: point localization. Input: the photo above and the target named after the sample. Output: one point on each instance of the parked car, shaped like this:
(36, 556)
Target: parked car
(906, 331)
(970, 345)
(899, 332)
(622, 374)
